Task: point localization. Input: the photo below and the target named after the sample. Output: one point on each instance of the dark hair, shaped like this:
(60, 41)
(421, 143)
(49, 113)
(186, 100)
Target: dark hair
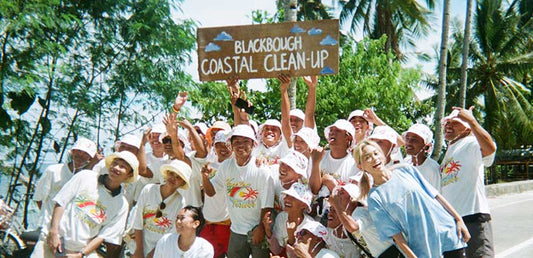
(196, 215)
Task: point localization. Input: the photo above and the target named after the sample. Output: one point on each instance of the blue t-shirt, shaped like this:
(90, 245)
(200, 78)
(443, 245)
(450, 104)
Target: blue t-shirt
(406, 203)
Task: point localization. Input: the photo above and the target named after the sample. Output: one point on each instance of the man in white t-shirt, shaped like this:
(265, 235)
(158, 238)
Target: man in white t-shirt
(470, 150)
(55, 177)
(418, 145)
(91, 209)
(248, 189)
(156, 157)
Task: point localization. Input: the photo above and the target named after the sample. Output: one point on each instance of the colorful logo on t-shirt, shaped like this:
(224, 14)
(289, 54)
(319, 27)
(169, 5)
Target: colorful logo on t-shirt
(269, 160)
(450, 171)
(160, 225)
(92, 212)
(241, 194)
(335, 176)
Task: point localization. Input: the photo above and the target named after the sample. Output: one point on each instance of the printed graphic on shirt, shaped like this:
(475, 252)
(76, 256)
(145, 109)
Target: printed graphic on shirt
(269, 160)
(160, 225)
(335, 176)
(450, 171)
(90, 211)
(212, 174)
(241, 194)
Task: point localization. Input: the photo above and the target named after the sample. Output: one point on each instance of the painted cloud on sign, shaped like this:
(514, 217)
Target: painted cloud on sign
(297, 29)
(223, 36)
(314, 31)
(328, 41)
(211, 47)
(327, 70)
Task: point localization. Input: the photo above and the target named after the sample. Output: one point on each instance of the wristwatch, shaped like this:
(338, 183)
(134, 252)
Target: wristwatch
(82, 254)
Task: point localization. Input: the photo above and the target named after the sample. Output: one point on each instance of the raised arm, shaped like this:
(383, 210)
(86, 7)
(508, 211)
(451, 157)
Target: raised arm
(372, 117)
(346, 219)
(209, 189)
(315, 180)
(141, 156)
(310, 105)
(199, 146)
(484, 139)
(234, 92)
(285, 81)
(172, 130)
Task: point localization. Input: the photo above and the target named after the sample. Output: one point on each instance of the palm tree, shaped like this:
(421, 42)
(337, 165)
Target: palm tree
(403, 21)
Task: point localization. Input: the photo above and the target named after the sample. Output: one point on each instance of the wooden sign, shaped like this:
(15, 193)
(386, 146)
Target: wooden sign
(266, 50)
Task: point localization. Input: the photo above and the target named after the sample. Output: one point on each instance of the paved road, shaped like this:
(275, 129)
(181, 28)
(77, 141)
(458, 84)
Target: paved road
(512, 222)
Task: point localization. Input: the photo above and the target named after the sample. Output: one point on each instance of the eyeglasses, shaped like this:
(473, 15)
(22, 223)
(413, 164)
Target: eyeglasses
(167, 140)
(162, 206)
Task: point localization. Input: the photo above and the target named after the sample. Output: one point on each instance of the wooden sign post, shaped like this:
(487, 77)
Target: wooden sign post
(266, 50)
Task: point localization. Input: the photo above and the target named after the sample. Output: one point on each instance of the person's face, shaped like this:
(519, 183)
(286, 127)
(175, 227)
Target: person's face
(304, 235)
(385, 146)
(126, 147)
(333, 219)
(120, 170)
(185, 222)
(270, 135)
(337, 136)
(174, 180)
(413, 144)
(296, 124)
(452, 129)
(80, 158)
(287, 176)
(154, 142)
(372, 159)
(300, 145)
(292, 204)
(167, 144)
(242, 146)
(222, 151)
(360, 124)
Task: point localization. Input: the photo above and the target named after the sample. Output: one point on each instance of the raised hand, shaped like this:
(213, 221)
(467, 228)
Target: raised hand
(311, 81)
(285, 80)
(180, 100)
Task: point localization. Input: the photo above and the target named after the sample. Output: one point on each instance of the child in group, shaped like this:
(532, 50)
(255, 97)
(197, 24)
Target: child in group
(409, 210)
(185, 243)
(158, 206)
(311, 242)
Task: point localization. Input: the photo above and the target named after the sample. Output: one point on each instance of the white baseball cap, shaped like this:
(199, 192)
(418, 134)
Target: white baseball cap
(271, 122)
(132, 140)
(453, 116)
(297, 113)
(341, 124)
(180, 168)
(244, 131)
(422, 131)
(297, 161)
(299, 192)
(314, 228)
(85, 145)
(129, 158)
(309, 136)
(360, 113)
(222, 136)
(384, 132)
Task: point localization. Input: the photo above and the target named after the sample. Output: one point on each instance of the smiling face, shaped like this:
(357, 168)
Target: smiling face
(333, 219)
(287, 175)
(296, 123)
(385, 146)
(185, 222)
(120, 170)
(300, 145)
(174, 180)
(338, 137)
(372, 159)
(222, 151)
(360, 124)
(270, 135)
(413, 144)
(453, 129)
(79, 158)
(293, 205)
(242, 146)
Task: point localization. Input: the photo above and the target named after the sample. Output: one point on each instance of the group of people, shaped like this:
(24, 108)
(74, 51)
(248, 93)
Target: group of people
(271, 190)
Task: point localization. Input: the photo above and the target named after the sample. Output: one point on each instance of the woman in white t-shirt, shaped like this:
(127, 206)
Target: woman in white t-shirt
(158, 206)
(184, 243)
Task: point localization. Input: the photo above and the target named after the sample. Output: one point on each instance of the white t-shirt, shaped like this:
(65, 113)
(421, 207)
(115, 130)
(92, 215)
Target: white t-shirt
(272, 154)
(326, 253)
(90, 211)
(344, 247)
(154, 164)
(145, 215)
(248, 189)
(215, 207)
(341, 169)
(193, 195)
(280, 227)
(51, 181)
(368, 230)
(430, 169)
(167, 247)
(463, 174)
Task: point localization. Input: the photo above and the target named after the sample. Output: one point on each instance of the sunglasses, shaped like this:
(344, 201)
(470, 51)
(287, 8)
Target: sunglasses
(301, 233)
(162, 206)
(167, 140)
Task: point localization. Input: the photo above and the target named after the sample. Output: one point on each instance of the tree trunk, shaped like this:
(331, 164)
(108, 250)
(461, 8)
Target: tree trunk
(291, 8)
(441, 101)
(466, 45)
